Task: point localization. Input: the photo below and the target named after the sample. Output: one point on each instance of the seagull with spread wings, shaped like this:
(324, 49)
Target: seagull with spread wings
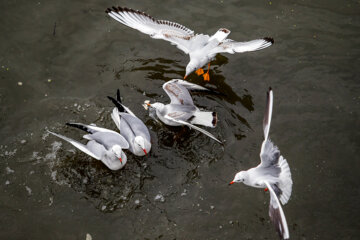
(181, 110)
(273, 174)
(202, 48)
(103, 144)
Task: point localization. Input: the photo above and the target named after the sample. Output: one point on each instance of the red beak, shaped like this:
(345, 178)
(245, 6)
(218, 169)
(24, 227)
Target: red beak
(120, 160)
(185, 77)
(231, 182)
(145, 151)
(266, 189)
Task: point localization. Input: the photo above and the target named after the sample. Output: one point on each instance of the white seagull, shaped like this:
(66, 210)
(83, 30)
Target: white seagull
(104, 145)
(202, 48)
(131, 127)
(273, 174)
(181, 110)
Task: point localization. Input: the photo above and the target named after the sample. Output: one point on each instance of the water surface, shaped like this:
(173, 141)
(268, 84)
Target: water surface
(60, 59)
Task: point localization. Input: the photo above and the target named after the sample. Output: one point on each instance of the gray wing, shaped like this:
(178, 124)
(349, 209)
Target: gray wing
(268, 113)
(276, 214)
(108, 139)
(231, 46)
(178, 93)
(129, 125)
(180, 112)
(92, 148)
(96, 148)
(89, 128)
(136, 126)
(269, 154)
(159, 29)
(188, 85)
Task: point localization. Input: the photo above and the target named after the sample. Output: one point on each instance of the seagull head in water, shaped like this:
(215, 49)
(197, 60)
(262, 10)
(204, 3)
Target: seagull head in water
(139, 144)
(117, 150)
(240, 177)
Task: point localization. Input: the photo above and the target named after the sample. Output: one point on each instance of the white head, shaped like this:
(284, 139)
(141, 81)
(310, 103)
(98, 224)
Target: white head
(158, 106)
(191, 67)
(117, 150)
(139, 145)
(240, 177)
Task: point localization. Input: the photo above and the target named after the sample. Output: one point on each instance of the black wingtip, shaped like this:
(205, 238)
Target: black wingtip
(79, 127)
(215, 119)
(117, 104)
(118, 95)
(269, 39)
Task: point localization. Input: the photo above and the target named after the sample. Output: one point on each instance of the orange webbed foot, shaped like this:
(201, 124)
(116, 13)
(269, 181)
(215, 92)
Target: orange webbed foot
(199, 72)
(206, 77)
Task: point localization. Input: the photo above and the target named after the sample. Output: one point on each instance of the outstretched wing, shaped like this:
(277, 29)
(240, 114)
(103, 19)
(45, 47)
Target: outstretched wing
(269, 154)
(276, 214)
(89, 128)
(268, 113)
(95, 153)
(178, 93)
(231, 46)
(194, 127)
(159, 29)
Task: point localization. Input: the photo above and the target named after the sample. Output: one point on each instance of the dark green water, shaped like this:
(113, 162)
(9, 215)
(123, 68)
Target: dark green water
(69, 56)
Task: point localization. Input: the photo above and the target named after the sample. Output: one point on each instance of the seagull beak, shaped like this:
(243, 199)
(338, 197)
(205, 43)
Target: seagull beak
(146, 105)
(145, 151)
(232, 182)
(120, 160)
(185, 77)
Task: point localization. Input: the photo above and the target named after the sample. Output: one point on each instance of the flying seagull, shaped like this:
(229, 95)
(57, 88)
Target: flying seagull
(104, 145)
(181, 110)
(273, 174)
(131, 127)
(202, 48)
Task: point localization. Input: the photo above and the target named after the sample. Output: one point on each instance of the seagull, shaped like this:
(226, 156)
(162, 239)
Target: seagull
(202, 48)
(131, 127)
(273, 174)
(181, 110)
(104, 145)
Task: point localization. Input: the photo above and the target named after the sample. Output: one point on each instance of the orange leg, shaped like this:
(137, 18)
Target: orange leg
(199, 72)
(206, 75)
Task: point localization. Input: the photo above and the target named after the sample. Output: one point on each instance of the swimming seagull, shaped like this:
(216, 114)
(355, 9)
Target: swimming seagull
(273, 174)
(104, 145)
(131, 127)
(181, 110)
(202, 48)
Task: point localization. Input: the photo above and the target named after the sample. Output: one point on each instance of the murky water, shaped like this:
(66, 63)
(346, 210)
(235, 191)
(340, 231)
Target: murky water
(60, 59)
